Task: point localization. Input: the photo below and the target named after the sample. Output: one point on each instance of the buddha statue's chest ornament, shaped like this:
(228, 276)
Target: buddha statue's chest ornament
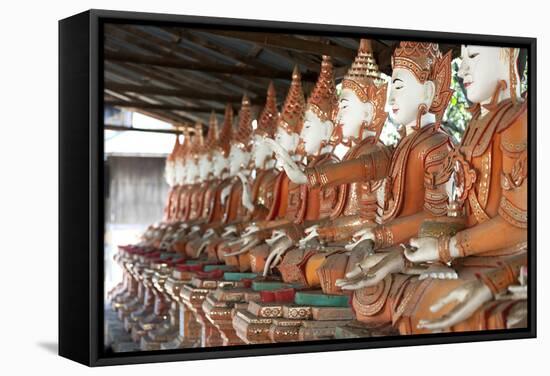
(322, 201)
(415, 171)
(362, 197)
(479, 157)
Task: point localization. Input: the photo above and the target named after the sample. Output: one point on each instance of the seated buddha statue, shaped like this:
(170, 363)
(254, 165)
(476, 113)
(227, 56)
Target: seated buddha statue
(286, 133)
(415, 188)
(170, 177)
(490, 172)
(179, 199)
(308, 207)
(231, 195)
(216, 153)
(259, 189)
(359, 120)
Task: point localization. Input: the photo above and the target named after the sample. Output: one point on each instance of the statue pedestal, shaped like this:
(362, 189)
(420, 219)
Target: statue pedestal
(193, 298)
(218, 308)
(269, 322)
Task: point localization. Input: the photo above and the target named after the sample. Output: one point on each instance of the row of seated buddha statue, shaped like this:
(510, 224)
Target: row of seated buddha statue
(268, 236)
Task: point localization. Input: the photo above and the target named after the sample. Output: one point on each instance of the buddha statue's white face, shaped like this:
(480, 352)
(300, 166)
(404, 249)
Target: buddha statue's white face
(315, 133)
(179, 171)
(352, 113)
(481, 69)
(238, 160)
(406, 96)
(191, 171)
(261, 152)
(219, 163)
(205, 166)
(170, 173)
(289, 141)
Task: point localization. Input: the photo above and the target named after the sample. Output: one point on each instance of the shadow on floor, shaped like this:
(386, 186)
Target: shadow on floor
(50, 347)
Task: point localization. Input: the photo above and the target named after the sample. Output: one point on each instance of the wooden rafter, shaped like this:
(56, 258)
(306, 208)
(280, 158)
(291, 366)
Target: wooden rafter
(172, 49)
(289, 42)
(152, 106)
(202, 67)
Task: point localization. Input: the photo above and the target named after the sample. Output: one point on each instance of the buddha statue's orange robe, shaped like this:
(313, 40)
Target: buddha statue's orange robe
(264, 196)
(491, 169)
(359, 177)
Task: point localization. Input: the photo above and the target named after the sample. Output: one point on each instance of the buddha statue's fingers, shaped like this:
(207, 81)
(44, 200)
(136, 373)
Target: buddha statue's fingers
(469, 297)
(229, 230)
(311, 229)
(422, 250)
(280, 152)
(268, 261)
(245, 249)
(517, 317)
(359, 283)
(361, 236)
(357, 271)
(204, 244)
(438, 272)
(275, 255)
(235, 242)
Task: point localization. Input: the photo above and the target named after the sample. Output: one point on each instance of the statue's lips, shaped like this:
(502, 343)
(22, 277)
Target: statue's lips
(467, 84)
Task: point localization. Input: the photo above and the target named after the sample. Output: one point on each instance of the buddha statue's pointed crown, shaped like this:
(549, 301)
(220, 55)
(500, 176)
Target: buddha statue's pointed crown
(172, 156)
(322, 100)
(183, 149)
(224, 137)
(363, 78)
(212, 135)
(197, 146)
(242, 138)
(267, 122)
(291, 117)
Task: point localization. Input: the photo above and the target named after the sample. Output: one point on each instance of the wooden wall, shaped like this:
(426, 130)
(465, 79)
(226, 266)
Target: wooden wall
(136, 190)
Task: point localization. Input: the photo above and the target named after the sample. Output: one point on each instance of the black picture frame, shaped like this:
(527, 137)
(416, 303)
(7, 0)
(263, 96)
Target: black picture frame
(81, 185)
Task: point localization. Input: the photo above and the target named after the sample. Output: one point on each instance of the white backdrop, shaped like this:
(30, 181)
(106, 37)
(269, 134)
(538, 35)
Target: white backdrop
(28, 206)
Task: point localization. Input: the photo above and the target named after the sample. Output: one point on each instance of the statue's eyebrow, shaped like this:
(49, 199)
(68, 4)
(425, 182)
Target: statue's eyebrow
(396, 79)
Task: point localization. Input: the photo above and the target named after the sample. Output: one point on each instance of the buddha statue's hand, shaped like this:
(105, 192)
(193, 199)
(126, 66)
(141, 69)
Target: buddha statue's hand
(229, 230)
(359, 237)
(517, 316)
(278, 249)
(468, 298)
(311, 234)
(293, 171)
(250, 229)
(275, 236)
(224, 194)
(247, 195)
(422, 250)
(194, 229)
(373, 269)
(437, 271)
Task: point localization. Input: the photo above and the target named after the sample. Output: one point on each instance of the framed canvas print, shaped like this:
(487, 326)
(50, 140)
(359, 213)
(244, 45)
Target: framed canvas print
(239, 187)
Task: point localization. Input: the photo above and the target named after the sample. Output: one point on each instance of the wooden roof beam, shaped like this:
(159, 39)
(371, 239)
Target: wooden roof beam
(289, 42)
(203, 67)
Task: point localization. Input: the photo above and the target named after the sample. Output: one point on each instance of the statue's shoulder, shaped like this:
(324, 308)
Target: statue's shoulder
(513, 129)
(368, 146)
(432, 138)
(513, 116)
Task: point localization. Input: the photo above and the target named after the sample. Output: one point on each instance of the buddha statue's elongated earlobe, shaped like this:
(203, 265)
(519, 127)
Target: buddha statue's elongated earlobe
(513, 54)
(495, 98)
(422, 110)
